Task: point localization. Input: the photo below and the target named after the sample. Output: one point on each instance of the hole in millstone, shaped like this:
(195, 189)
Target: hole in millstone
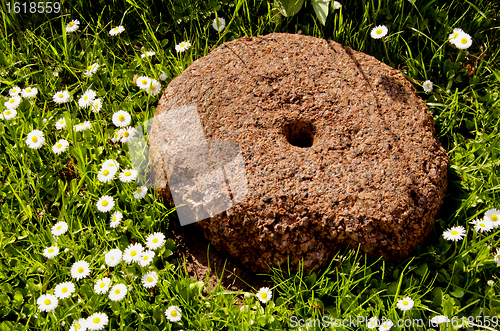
(299, 133)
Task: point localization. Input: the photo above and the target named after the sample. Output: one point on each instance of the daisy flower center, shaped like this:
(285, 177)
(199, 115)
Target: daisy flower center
(144, 82)
(61, 95)
(264, 295)
(71, 24)
(80, 270)
(455, 35)
(139, 190)
(85, 98)
(59, 227)
(150, 279)
(454, 233)
(64, 290)
(51, 250)
(173, 313)
(28, 90)
(117, 291)
(494, 218)
(114, 218)
(133, 253)
(102, 285)
(12, 100)
(145, 258)
(78, 326)
(155, 240)
(115, 29)
(153, 87)
(379, 31)
(47, 302)
(125, 134)
(121, 118)
(7, 112)
(482, 225)
(59, 145)
(463, 40)
(405, 303)
(34, 139)
(128, 173)
(105, 172)
(96, 320)
(183, 44)
(104, 203)
(89, 67)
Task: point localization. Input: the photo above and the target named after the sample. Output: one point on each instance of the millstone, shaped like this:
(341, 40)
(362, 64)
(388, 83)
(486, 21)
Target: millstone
(337, 150)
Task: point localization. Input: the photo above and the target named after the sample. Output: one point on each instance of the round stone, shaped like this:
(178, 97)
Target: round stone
(338, 151)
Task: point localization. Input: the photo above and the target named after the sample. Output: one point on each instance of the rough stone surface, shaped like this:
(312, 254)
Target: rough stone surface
(339, 150)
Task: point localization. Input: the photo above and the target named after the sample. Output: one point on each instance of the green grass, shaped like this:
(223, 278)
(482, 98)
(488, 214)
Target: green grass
(39, 188)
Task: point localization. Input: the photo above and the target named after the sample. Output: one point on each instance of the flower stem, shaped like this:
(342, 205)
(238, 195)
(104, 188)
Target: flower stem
(386, 52)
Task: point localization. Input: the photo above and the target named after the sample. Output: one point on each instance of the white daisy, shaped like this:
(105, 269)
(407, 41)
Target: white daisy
(97, 321)
(140, 192)
(372, 323)
(132, 253)
(82, 126)
(117, 292)
(454, 233)
(173, 314)
(497, 257)
(96, 106)
(264, 294)
(91, 69)
(59, 228)
(8, 114)
(405, 304)
(117, 136)
(80, 270)
(453, 36)
(106, 174)
(116, 30)
(146, 258)
(150, 279)
(183, 46)
(386, 325)
(14, 91)
(101, 286)
(105, 203)
(47, 302)
(72, 26)
(163, 76)
(148, 53)
(29, 92)
(64, 290)
(111, 165)
(428, 86)
(483, 225)
(86, 99)
(219, 24)
(143, 82)
(78, 325)
(336, 5)
(51, 252)
(121, 118)
(61, 97)
(128, 175)
(154, 88)
(379, 32)
(127, 134)
(155, 240)
(60, 146)
(493, 215)
(115, 219)
(113, 257)
(13, 102)
(61, 124)
(35, 139)
(463, 41)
